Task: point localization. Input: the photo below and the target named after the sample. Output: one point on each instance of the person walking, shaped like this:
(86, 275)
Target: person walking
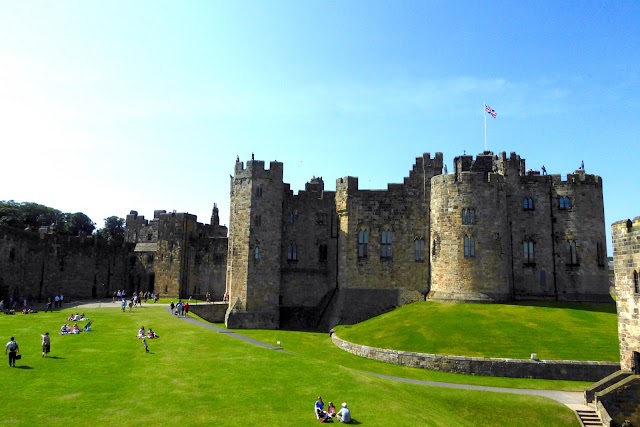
(48, 306)
(146, 347)
(46, 344)
(12, 348)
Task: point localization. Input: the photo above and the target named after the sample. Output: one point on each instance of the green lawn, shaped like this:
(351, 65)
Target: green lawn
(554, 331)
(194, 376)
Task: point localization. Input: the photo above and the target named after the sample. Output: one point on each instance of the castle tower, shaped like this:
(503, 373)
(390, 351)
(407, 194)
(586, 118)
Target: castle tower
(626, 258)
(255, 236)
(175, 231)
(469, 243)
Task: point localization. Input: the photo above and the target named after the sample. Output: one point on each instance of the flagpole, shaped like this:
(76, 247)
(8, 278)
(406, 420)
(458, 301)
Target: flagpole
(484, 113)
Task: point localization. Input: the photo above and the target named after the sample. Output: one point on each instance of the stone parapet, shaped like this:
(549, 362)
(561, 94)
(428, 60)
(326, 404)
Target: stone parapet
(498, 367)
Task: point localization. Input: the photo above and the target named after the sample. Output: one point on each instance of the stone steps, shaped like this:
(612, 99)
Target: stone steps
(589, 418)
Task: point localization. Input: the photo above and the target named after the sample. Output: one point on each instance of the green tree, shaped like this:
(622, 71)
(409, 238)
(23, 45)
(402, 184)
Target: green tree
(113, 228)
(75, 223)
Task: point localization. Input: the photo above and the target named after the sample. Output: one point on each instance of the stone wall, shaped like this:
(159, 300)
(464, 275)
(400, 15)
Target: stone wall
(626, 258)
(213, 313)
(514, 368)
(38, 266)
(622, 401)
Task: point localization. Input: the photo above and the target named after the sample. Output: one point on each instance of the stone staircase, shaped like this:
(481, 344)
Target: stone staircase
(588, 417)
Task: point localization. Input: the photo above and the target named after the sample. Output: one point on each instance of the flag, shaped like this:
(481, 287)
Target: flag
(490, 111)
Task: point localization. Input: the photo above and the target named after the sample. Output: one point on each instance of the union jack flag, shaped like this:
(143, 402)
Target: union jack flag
(490, 111)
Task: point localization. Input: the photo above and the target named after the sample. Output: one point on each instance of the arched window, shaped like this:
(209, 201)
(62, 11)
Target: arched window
(565, 202)
(528, 204)
(572, 253)
(292, 252)
(468, 216)
(363, 242)
(385, 244)
(527, 251)
(418, 248)
(256, 253)
(469, 246)
(636, 286)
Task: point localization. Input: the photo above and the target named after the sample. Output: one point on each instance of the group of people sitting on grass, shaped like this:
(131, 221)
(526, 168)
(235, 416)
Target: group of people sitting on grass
(29, 311)
(343, 415)
(151, 334)
(66, 329)
(77, 318)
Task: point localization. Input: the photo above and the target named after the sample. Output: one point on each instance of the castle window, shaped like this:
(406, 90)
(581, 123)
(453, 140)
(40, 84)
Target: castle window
(256, 253)
(572, 253)
(363, 242)
(292, 252)
(12, 254)
(636, 286)
(149, 258)
(469, 246)
(528, 252)
(418, 249)
(292, 218)
(385, 244)
(564, 202)
(528, 204)
(258, 220)
(150, 236)
(258, 191)
(468, 216)
(600, 254)
(322, 253)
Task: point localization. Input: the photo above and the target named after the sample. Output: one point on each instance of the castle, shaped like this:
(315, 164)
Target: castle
(490, 231)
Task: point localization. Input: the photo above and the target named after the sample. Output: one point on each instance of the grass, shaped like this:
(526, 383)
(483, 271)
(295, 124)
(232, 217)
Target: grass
(196, 376)
(555, 331)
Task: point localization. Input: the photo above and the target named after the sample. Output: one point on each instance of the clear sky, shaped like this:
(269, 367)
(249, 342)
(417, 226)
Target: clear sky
(111, 106)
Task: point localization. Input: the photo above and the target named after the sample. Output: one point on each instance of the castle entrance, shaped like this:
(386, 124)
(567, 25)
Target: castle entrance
(636, 363)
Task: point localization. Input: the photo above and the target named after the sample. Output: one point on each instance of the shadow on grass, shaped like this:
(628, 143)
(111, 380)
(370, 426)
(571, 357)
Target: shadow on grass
(55, 357)
(23, 367)
(604, 307)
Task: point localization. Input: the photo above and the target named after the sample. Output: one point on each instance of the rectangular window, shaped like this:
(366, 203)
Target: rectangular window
(528, 204)
(322, 253)
(258, 191)
(385, 244)
(528, 255)
(292, 217)
(363, 243)
(572, 253)
(292, 252)
(258, 221)
(469, 247)
(468, 216)
(418, 249)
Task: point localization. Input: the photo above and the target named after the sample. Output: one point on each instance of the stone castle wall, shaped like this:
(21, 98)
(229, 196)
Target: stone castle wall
(626, 258)
(40, 265)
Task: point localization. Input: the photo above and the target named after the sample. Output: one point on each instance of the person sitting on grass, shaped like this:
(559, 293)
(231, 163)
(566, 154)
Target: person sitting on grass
(331, 410)
(152, 334)
(344, 415)
(75, 329)
(65, 329)
(141, 332)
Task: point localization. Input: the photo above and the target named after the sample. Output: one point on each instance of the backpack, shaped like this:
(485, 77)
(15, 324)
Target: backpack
(14, 346)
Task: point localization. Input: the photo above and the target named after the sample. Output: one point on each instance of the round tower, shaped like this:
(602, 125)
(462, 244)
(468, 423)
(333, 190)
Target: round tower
(469, 235)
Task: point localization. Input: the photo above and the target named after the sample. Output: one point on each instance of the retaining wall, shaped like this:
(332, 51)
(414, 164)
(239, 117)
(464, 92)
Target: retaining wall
(514, 368)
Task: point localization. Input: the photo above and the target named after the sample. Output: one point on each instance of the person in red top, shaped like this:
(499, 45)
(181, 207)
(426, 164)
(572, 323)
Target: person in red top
(186, 308)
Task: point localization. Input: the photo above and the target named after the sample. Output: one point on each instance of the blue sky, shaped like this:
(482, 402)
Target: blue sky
(107, 107)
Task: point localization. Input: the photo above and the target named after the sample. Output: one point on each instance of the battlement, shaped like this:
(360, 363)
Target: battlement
(630, 225)
(468, 178)
(579, 177)
(256, 169)
(348, 184)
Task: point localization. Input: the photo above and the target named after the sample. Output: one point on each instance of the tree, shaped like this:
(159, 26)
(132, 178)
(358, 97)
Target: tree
(113, 228)
(78, 222)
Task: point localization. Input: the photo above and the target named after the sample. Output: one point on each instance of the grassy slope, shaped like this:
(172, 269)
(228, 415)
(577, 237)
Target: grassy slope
(203, 378)
(554, 332)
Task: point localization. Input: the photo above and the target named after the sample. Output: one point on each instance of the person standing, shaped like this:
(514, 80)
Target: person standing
(12, 348)
(56, 301)
(48, 306)
(46, 344)
(146, 347)
(61, 300)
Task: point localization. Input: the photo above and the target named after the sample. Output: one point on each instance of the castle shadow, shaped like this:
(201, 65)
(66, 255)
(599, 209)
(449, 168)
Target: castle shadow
(600, 307)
